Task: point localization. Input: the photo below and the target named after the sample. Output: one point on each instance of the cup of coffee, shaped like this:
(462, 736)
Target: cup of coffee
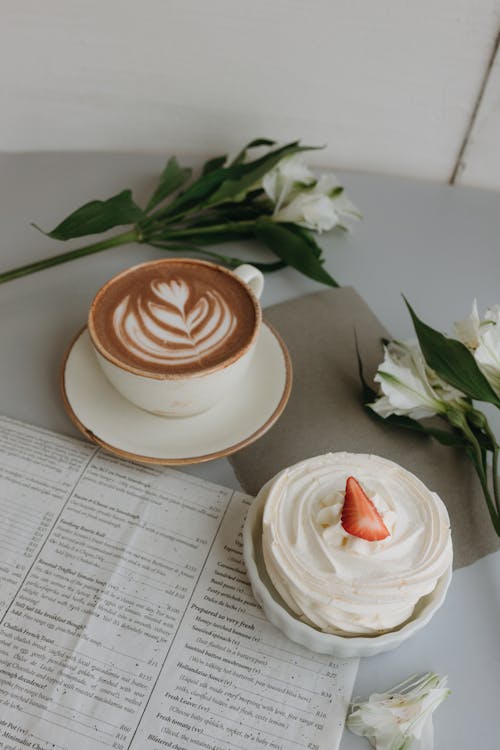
(174, 335)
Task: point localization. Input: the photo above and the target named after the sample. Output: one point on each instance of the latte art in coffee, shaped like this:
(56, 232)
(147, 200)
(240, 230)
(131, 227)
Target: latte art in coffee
(170, 326)
(175, 317)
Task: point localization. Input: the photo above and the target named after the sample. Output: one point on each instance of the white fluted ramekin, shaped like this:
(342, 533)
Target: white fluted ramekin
(306, 635)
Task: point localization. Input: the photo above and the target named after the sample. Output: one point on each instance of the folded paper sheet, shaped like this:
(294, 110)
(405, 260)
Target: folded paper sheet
(325, 414)
(126, 617)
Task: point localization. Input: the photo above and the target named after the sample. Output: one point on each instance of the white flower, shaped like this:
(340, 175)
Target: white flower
(329, 185)
(301, 199)
(482, 337)
(311, 210)
(290, 174)
(319, 205)
(400, 719)
(409, 386)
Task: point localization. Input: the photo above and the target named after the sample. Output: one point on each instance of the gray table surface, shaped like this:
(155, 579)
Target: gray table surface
(437, 245)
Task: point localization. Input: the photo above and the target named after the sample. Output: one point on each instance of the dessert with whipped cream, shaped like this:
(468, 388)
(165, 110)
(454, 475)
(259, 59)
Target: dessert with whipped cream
(352, 542)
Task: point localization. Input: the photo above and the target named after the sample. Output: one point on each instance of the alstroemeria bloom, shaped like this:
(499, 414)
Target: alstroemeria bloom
(319, 207)
(468, 330)
(400, 719)
(409, 387)
(329, 186)
(288, 176)
(311, 210)
(482, 337)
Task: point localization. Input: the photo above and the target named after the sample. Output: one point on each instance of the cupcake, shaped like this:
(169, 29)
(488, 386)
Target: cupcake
(353, 545)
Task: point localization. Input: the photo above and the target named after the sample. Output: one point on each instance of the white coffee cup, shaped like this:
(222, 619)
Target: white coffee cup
(172, 394)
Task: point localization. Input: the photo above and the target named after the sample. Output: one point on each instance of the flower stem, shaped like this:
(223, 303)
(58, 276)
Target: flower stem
(162, 214)
(231, 262)
(179, 234)
(226, 259)
(481, 467)
(494, 471)
(120, 239)
(494, 467)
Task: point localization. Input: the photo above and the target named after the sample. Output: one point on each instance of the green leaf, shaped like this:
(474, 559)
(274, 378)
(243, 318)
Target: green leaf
(307, 237)
(228, 212)
(212, 164)
(201, 192)
(445, 437)
(224, 184)
(253, 144)
(99, 216)
(453, 362)
(225, 233)
(293, 248)
(197, 194)
(172, 178)
(242, 178)
(369, 394)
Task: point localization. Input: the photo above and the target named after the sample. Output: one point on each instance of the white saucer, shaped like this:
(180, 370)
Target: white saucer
(107, 418)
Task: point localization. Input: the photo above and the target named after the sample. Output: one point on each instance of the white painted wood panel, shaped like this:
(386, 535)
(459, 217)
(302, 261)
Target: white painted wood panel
(481, 160)
(388, 85)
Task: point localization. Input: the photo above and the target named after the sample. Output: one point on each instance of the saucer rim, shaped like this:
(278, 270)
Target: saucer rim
(187, 460)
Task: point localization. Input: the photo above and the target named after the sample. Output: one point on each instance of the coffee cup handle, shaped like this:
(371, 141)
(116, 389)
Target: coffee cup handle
(252, 277)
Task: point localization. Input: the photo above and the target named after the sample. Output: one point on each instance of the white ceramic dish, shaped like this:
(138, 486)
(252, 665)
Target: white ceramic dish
(107, 418)
(285, 620)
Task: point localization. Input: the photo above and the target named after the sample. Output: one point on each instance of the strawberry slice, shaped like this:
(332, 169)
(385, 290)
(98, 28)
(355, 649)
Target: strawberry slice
(359, 515)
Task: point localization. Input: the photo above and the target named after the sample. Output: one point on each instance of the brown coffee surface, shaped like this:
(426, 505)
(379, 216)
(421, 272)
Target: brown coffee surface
(173, 317)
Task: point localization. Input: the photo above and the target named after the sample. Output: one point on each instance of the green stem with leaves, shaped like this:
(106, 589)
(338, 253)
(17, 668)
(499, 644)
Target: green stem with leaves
(120, 239)
(494, 466)
(478, 420)
(225, 203)
(480, 464)
(227, 260)
(180, 234)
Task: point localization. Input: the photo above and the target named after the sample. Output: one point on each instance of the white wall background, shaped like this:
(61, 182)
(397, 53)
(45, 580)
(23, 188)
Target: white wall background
(389, 85)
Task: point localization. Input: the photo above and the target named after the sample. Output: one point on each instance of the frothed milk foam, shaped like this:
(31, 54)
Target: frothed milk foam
(174, 317)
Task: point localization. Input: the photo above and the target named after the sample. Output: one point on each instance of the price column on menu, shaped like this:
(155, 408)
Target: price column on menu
(231, 680)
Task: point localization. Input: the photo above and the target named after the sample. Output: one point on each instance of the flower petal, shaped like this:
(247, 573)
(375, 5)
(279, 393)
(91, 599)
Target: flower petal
(467, 331)
(400, 719)
(487, 354)
(281, 180)
(309, 210)
(405, 387)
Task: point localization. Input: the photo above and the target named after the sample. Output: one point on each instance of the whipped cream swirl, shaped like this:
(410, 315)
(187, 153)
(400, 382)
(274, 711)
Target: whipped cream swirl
(338, 582)
(169, 327)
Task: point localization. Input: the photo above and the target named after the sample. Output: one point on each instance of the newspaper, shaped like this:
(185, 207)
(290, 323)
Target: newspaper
(127, 619)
